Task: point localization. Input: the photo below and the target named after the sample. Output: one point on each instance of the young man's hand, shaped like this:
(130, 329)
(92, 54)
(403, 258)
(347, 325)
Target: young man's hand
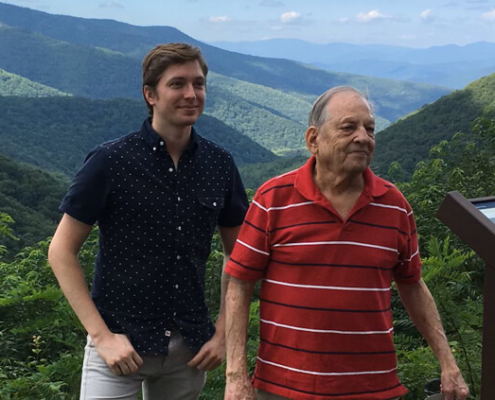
(211, 355)
(117, 351)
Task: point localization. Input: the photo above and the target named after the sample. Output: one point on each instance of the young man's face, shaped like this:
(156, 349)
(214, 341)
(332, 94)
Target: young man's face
(179, 96)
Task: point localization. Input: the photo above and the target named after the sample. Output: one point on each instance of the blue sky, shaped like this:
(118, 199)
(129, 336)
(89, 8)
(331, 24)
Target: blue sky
(416, 23)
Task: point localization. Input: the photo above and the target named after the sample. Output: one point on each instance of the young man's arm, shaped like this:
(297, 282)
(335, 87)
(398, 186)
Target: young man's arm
(420, 305)
(115, 349)
(211, 355)
(238, 298)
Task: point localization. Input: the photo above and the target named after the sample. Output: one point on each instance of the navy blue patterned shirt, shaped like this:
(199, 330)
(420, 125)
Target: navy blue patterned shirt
(156, 223)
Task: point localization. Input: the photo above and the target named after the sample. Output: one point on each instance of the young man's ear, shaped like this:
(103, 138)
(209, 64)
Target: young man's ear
(149, 94)
(310, 137)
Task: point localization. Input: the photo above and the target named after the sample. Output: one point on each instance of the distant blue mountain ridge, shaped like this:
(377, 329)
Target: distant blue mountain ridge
(450, 65)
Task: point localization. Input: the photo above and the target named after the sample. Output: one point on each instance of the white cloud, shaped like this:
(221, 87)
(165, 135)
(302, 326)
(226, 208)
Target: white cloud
(373, 15)
(220, 19)
(344, 20)
(489, 16)
(426, 14)
(111, 4)
(290, 17)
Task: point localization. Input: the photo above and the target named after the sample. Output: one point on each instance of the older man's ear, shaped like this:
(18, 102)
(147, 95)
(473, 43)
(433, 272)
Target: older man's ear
(310, 137)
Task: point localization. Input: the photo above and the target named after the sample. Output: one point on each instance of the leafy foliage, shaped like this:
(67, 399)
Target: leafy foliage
(29, 199)
(41, 337)
(466, 163)
(453, 277)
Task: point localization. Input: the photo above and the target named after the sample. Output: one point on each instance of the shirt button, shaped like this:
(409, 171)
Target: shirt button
(177, 286)
(168, 333)
(162, 144)
(179, 228)
(178, 198)
(178, 257)
(170, 169)
(154, 148)
(214, 204)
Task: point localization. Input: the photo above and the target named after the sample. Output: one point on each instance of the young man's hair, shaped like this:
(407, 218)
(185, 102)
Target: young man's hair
(163, 56)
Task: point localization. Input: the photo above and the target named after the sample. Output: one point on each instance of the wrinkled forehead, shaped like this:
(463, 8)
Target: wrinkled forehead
(348, 104)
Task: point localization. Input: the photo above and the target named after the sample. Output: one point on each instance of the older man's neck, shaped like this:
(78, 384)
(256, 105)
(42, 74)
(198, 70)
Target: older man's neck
(338, 184)
(341, 191)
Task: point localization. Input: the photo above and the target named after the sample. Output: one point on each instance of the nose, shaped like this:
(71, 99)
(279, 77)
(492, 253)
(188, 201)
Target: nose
(189, 91)
(361, 135)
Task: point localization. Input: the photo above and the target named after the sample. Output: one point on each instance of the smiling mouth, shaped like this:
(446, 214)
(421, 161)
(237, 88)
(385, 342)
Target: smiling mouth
(189, 108)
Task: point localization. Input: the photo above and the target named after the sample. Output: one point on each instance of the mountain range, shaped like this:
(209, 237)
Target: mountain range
(68, 84)
(450, 65)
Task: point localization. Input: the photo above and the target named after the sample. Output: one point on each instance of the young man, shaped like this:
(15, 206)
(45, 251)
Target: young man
(327, 240)
(157, 196)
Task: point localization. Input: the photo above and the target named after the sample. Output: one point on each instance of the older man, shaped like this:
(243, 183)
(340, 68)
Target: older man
(327, 240)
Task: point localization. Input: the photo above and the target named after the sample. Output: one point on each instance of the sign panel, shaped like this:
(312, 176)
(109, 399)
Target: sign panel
(474, 222)
(487, 208)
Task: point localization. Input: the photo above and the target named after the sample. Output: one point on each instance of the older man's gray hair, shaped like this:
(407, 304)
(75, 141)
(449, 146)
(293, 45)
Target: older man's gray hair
(319, 115)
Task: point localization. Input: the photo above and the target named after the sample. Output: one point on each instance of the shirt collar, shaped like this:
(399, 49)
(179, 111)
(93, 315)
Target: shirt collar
(305, 184)
(154, 141)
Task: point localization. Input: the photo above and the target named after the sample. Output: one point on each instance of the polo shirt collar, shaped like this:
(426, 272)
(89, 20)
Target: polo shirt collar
(154, 141)
(305, 184)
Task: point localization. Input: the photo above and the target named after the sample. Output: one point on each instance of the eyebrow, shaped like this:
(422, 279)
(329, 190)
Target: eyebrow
(183, 78)
(354, 119)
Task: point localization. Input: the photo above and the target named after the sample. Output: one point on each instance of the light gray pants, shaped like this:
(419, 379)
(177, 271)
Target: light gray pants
(262, 395)
(161, 377)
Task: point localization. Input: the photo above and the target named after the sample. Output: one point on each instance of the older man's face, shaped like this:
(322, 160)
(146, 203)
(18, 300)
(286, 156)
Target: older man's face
(345, 142)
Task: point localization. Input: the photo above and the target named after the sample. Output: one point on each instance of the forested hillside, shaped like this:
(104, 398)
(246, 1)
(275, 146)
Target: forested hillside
(57, 133)
(31, 197)
(14, 85)
(254, 175)
(409, 140)
(272, 118)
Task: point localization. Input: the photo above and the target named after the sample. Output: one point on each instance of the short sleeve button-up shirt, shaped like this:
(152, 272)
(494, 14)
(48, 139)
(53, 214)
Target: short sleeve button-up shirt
(156, 223)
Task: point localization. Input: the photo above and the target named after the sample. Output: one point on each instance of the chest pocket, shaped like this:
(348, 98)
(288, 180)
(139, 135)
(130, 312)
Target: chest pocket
(208, 209)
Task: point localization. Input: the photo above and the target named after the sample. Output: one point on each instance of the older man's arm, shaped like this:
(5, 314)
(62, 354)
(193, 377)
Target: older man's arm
(420, 305)
(238, 298)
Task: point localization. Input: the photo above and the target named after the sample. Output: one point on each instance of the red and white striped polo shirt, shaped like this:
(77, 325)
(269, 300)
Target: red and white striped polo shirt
(326, 329)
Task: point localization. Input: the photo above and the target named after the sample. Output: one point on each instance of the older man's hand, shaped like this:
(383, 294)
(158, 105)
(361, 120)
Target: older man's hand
(453, 385)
